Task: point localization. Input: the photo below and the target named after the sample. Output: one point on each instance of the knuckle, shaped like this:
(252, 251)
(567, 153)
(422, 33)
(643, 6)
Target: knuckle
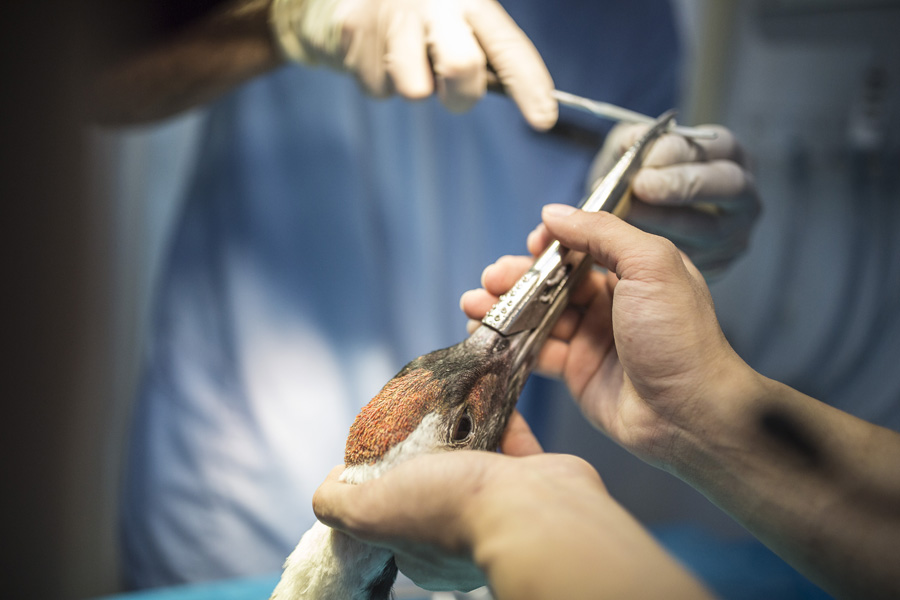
(412, 91)
(461, 67)
(690, 185)
(656, 187)
(668, 150)
(574, 466)
(665, 249)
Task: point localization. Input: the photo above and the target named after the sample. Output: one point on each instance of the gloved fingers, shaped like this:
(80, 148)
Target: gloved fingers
(684, 183)
(670, 149)
(516, 61)
(673, 149)
(365, 55)
(457, 59)
(710, 239)
(614, 146)
(406, 58)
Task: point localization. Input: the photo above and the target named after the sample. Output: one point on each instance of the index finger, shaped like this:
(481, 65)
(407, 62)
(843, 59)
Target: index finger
(672, 148)
(518, 439)
(516, 61)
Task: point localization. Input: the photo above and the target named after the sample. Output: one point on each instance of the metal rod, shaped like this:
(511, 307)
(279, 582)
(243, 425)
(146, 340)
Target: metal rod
(617, 113)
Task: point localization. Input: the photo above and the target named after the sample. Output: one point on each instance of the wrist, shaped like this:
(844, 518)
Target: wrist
(707, 436)
(526, 544)
(557, 533)
(283, 14)
(588, 547)
(304, 31)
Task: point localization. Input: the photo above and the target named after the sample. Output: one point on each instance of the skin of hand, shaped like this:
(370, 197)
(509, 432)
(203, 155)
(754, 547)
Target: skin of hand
(538, 525)
(416, 47)
(640, 346)
(698, 193)
(216, 53)
(642, 353)
(409, 47)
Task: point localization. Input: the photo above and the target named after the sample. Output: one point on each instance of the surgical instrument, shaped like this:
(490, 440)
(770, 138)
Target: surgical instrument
(617, 113)
(531, 308)
(605, 110)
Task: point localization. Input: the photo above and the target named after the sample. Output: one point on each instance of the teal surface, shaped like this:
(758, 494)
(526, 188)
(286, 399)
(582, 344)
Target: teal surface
(259, 588)
(734, 569)
(251, 588)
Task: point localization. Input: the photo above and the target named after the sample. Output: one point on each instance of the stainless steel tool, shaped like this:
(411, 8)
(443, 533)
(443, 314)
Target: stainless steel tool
(617, 113)
(527, 313)
(463, 396)
(605, 110)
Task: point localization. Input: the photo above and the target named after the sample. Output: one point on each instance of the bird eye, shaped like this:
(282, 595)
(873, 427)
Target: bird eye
(463, 428)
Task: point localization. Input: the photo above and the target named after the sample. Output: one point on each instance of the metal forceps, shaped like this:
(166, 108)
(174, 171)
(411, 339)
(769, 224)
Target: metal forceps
(617, 113)
(531, 308)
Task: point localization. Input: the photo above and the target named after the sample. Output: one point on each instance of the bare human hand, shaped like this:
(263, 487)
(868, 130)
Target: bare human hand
(537, 525)
(639, 347)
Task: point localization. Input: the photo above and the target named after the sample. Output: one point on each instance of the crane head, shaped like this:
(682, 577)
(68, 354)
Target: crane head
(455, 398)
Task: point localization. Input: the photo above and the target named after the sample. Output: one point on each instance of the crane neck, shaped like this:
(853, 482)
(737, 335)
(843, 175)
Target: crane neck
(330, 565)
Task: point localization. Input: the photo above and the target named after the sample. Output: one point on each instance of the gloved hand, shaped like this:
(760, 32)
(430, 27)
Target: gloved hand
(411, 47)
(697, 193)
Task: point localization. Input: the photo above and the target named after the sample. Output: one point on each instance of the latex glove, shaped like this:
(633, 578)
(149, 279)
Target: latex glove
(639, 347)
(697, 193)
(409, 47)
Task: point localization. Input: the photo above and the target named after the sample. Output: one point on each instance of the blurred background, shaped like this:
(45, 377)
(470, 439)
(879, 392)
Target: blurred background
(809, 86)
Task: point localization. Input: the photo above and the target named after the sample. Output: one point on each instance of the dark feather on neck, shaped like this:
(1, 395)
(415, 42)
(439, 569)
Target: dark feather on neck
(380, 588)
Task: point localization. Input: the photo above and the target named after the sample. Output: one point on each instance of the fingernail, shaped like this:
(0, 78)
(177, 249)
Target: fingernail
(544, 117)
(558, 210)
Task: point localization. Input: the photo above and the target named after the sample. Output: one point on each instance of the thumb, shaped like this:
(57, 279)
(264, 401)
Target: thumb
(619, 247)
(518, 439)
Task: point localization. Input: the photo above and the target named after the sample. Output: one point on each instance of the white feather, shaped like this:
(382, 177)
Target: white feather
(329, 565)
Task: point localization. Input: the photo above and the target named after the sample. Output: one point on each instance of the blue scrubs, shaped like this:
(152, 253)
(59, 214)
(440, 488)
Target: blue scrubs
(324, 241)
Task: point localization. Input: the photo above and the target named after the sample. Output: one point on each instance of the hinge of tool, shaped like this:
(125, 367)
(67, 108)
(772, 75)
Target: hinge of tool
(525, 304)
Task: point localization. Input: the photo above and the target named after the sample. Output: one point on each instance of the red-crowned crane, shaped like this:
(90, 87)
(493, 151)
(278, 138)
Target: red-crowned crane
(459, 397)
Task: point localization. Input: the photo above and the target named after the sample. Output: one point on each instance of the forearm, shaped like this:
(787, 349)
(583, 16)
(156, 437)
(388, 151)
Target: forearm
(582, 545)
(209, 57)
(818, 486)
